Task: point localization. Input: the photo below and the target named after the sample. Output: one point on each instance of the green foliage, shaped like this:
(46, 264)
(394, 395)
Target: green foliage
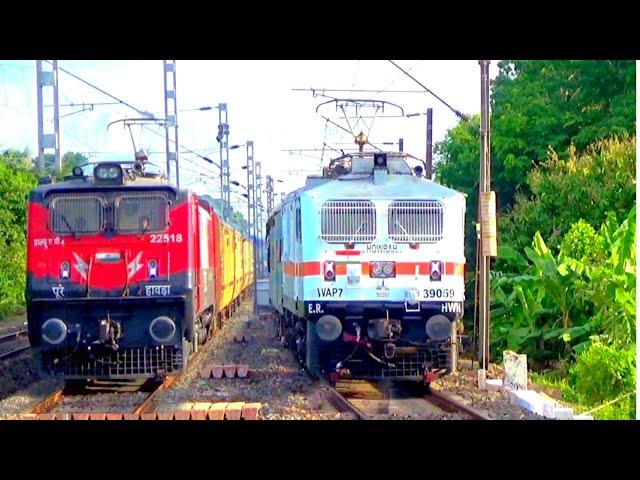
(583, 243)
(538, 105)
(16, 180)
(536, 313)
(72, 159)
(587, 288)
(68, 161)
(551, 104)
(612, 286)
(582, 186)
(603, 373)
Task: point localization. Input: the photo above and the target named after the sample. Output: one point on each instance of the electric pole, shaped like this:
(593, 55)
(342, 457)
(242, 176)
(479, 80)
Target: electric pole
(259, 229)
(269, 195)
(429, 156)
(487, 245)
(223, 139)
(48, 78)
(251, 214)
(171, 119)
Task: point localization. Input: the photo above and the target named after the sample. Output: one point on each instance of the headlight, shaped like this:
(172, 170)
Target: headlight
(162, 329)
(383, 269)
(54, 331)
(438, 328)
(65, 269)
(329, 270)
(153, 268)
(328, 328)
(436, 270)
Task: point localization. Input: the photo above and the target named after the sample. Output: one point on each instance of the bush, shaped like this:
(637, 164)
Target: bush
(16, 180)
(586, 185)
(583, 243)
(603, 373)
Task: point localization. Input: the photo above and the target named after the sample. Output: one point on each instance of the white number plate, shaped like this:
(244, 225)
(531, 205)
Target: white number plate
(437, 293)
(166, 238)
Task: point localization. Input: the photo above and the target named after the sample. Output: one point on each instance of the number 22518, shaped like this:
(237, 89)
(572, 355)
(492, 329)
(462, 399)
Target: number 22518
(166, 238)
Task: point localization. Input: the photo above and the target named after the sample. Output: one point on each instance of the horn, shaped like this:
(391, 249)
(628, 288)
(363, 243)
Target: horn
(138, 167)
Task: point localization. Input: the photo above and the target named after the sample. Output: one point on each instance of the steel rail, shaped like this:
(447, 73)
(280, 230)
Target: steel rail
(13, 336)
(452, 405)
(14, 353)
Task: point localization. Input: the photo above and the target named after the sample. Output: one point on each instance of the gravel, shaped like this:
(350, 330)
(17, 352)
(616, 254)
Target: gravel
(495, 404)
(280, 384)
(12, 324)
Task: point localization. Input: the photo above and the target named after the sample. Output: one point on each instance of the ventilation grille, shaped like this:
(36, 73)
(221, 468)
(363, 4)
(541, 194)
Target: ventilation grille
(415, 221)
(348, 221)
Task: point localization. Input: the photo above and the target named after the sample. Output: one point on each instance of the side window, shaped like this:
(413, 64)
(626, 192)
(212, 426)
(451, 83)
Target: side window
(298, 223)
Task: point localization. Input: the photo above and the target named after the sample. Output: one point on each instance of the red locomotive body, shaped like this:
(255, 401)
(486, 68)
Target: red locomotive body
(123, 274)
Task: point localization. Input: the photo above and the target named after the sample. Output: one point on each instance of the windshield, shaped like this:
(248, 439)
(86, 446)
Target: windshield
(141, 212)
(75, 214)
(92, 213)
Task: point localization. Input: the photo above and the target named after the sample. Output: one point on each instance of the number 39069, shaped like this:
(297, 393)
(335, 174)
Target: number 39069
(166, 238)
(438, 292)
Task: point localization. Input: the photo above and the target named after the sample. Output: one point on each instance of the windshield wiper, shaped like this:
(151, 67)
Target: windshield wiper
(64, 219)
(145, 225)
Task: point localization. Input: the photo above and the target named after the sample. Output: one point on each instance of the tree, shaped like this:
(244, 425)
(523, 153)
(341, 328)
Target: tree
(73, 159)
(575, 186)
(542, 105)
(16, 180)
(68, 160)
(538, 106)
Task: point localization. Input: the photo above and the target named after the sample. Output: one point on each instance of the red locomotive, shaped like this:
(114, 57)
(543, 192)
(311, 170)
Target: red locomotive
(126, 275)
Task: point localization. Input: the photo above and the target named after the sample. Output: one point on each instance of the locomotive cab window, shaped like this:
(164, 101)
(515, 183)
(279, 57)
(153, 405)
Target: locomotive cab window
(76, 214)
(141, 213)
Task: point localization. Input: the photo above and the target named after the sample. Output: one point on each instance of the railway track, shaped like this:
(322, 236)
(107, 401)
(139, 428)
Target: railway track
(370, 400)
(43, 410)
(144, 410)
(13, 337)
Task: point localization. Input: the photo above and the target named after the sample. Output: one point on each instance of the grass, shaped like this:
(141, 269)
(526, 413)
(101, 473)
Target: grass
(621, 409)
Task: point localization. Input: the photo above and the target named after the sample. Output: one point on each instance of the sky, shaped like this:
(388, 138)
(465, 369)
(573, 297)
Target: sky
(261, 104)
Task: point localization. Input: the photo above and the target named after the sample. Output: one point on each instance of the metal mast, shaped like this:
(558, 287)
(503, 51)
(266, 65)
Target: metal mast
(171, 117)
(48, 78)
(269, 195)
(259, 222)
(429, 156)
(486, 216)
(223, 139)
(251, 218)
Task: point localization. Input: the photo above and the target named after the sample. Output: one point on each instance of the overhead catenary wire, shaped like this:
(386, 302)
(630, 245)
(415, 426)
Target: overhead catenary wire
(120, 101)
(206, 159)
(457, 112)
(340, 126)
(104, 92)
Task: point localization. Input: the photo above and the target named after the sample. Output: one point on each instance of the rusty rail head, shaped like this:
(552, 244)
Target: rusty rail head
(342, 404)
(452, 405)
(47, 404)
(13, 336)
(149, 403)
